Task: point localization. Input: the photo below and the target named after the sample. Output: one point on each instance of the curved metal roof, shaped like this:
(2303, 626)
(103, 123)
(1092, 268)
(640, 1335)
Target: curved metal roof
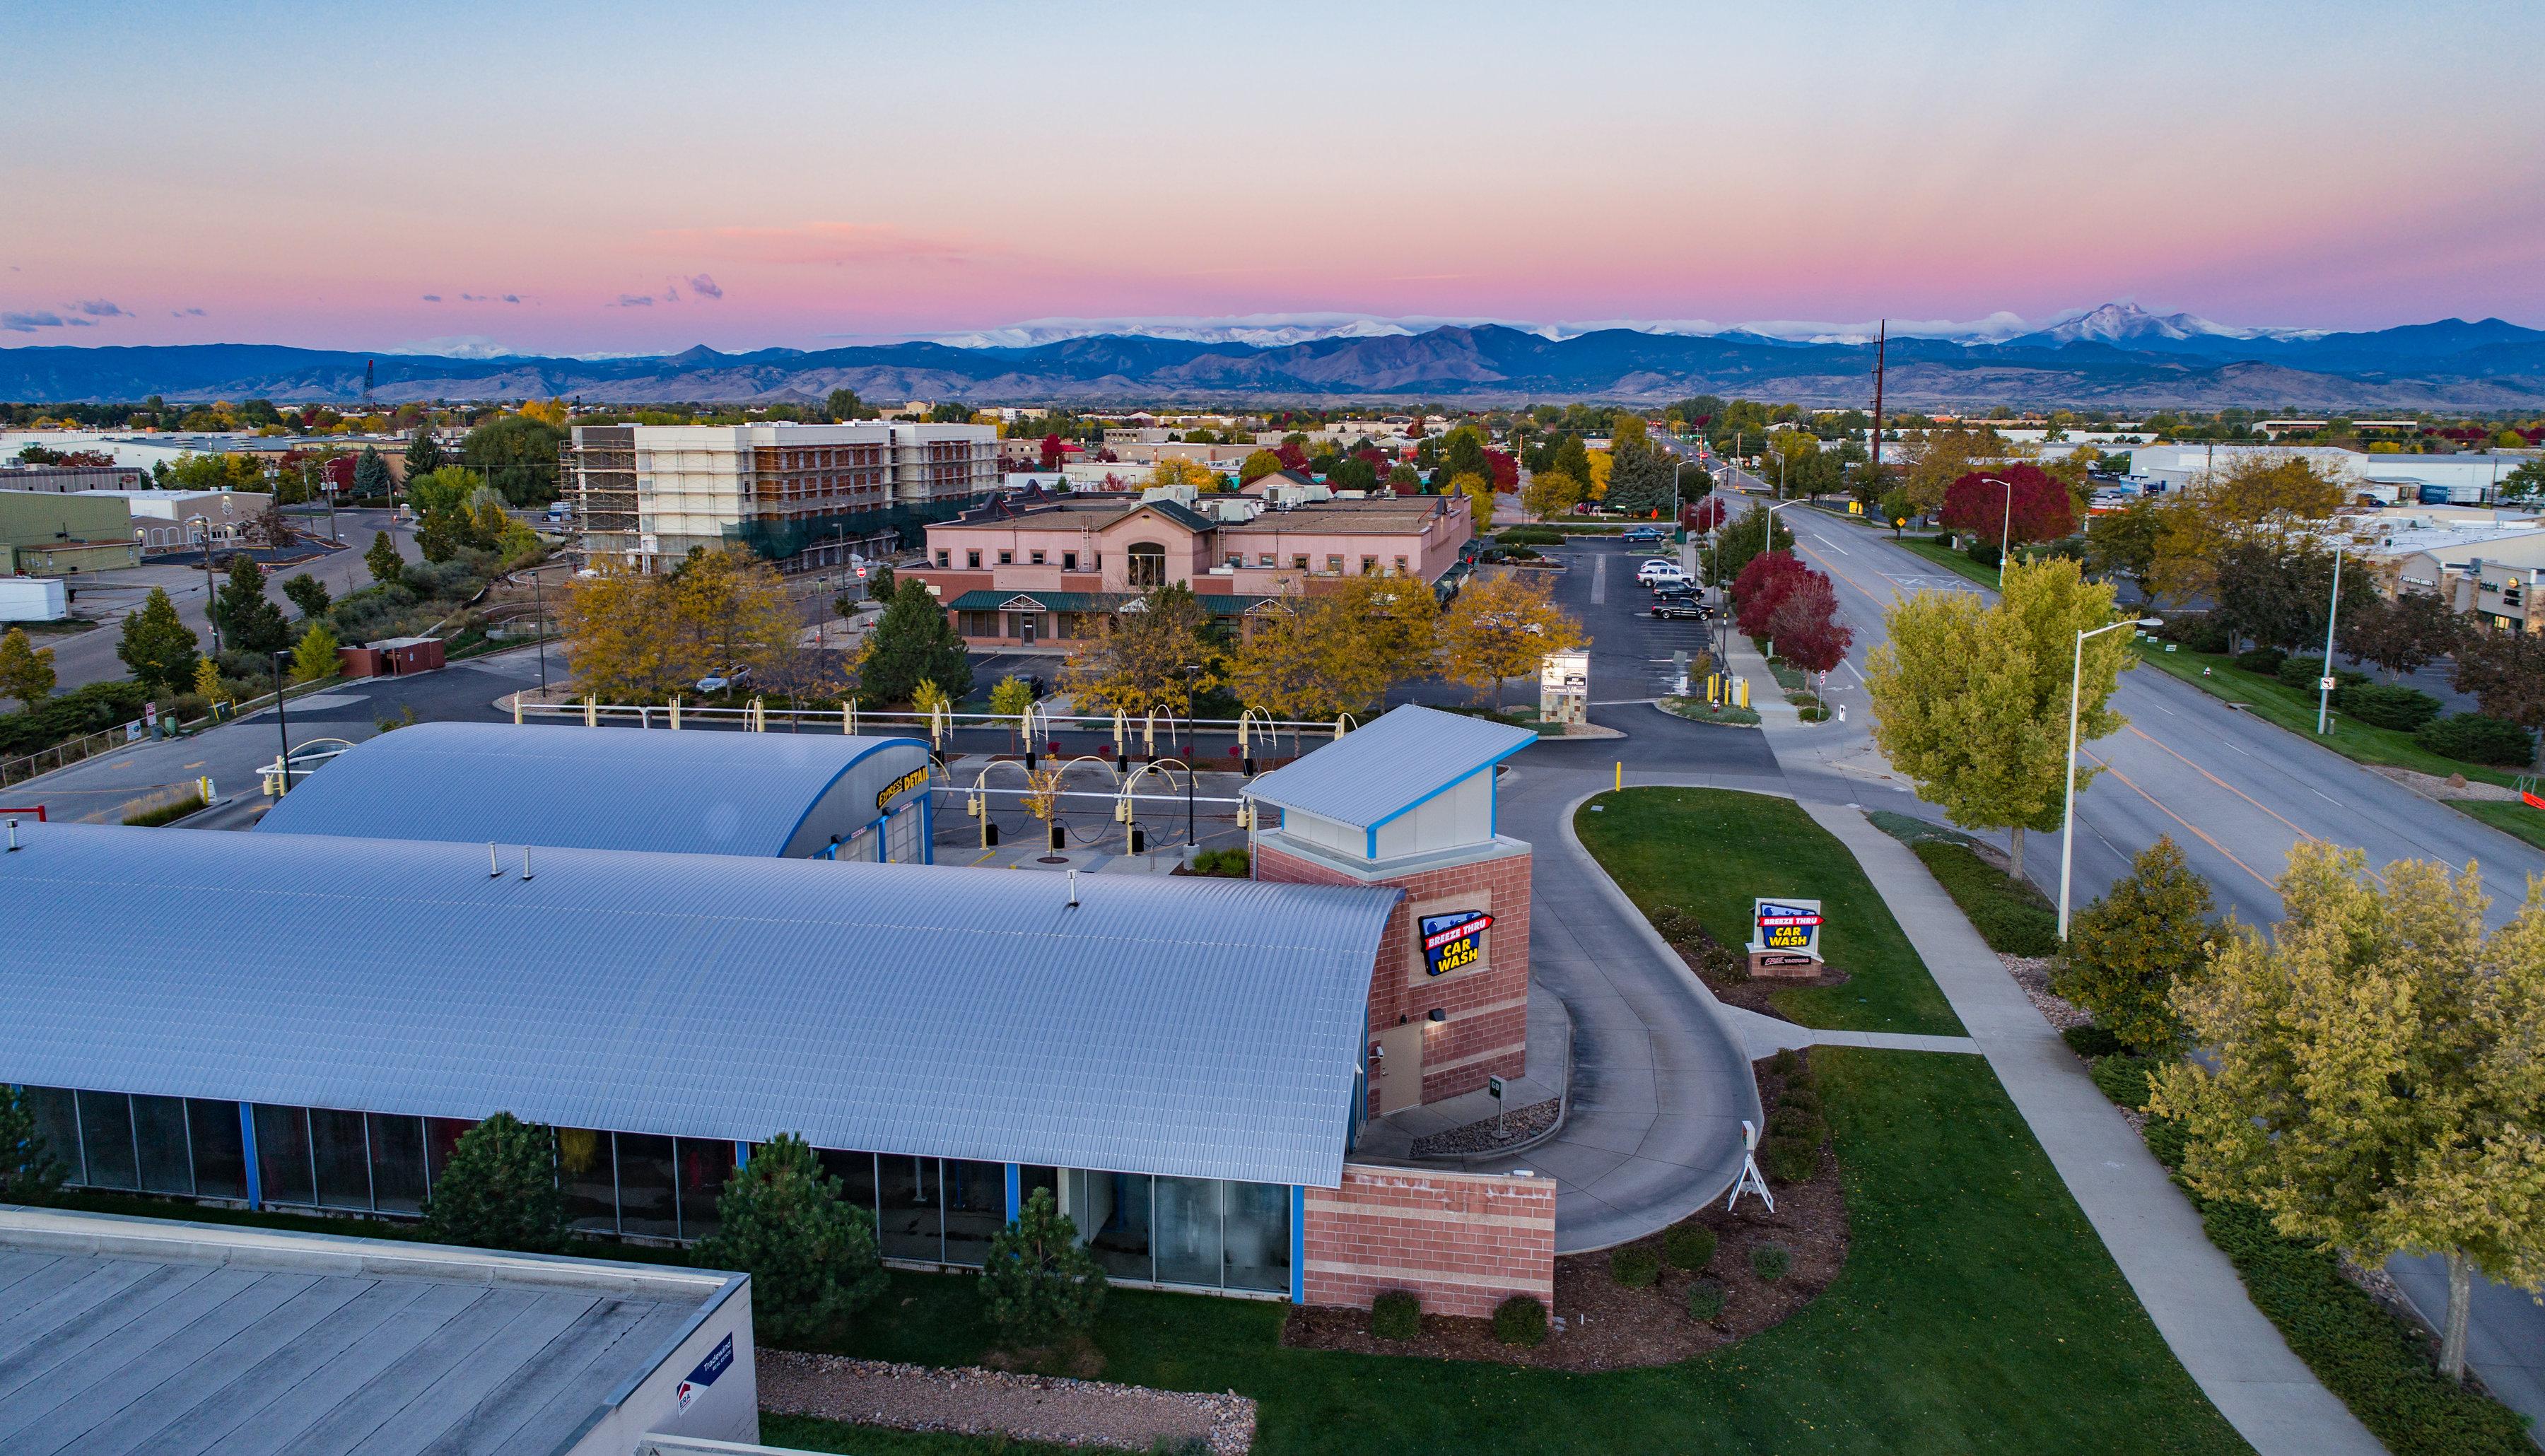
(697, 792)
(1198, 1027)
(1373, 773)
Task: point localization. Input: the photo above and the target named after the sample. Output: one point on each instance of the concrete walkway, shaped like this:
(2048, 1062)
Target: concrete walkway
(2186, 1285)
(1550, 1059)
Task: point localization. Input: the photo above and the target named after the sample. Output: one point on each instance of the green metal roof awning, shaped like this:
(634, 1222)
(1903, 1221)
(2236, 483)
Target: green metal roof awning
(1217, 603)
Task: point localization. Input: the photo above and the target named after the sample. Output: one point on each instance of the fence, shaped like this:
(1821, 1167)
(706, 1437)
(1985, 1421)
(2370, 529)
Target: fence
(133, 734)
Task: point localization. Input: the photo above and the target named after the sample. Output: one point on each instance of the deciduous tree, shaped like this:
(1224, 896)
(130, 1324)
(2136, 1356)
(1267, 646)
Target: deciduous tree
(517, 454)
(725, 608)
(2122, 544)
(2400, 634)
(1977, 503)
(2506, 672)
(1550, 493)
(26, 670)
(1759, 586)
(1942, 457)
(1178, 472)
(615, 644)
(1805, 626)
(1153, 653)
(1258, 466)
(2373, 1074)
(1751, 533)
(2129, 950)
(812, 1255)
(1479, 491)
(1971, 699)
(1500, 628)
(315, 656)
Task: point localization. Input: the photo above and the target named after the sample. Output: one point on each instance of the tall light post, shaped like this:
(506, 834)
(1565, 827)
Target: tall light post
(2004, 527)
(2068, 813)
(283, 726)
(2323, 679)
(211, 611)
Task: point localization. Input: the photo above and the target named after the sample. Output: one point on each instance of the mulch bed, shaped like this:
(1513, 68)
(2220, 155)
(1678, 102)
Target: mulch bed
(991, 1403)
(1598, 1324)
(1518, 1126)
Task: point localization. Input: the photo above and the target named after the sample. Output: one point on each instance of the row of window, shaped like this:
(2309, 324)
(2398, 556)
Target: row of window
(972, 559)
(1198, 1232)
(1334, 564)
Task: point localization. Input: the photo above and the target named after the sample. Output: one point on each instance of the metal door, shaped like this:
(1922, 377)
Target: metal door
(1400, 1068)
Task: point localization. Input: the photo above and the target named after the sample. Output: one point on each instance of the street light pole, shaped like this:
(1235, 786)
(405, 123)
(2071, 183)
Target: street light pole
(210, 614)
(2068, 813)
(2323, 679)
(283, 726)
(540, 607)
(2004, 527)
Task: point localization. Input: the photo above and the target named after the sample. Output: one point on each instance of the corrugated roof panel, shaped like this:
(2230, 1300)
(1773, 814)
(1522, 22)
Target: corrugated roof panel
(1205, 1028)
(595, 788)
(1376, 772)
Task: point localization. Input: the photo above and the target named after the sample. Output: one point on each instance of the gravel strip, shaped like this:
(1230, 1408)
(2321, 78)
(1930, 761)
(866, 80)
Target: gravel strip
(976, 1402)
(2032, 973)
(1520, 1124)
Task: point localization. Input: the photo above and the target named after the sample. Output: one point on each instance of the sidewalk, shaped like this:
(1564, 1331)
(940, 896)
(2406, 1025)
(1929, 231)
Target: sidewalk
(2186, 1285)
(1551, 1056)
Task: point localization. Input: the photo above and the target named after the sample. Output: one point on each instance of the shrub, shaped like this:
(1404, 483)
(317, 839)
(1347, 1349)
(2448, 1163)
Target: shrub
(2476, 739)
(2090, 1041)
(1799, 1125)
(2164, 1140)
(1688, 1246)
(1799, 1099)
(1789, 1159)
(1038, 1279)
(1982, 552)
(87, 709)
(1521, 1321)
(1226, 863)
(1771, 1262)
(2261, 661)
(2388, 705)
(500, 1190)
(2301, 673)
(1787, 1063)
(1530, 535)
(2123, 1079)
(2128, 949)
(1704, 1301)
(2012, 917)
(1396, 1315)
(2198, 630)
(812, 1253)
(1635, 1266)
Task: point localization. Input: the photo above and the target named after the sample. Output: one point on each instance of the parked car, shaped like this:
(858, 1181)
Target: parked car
(719, 682)
(1643, 536)
(1666, 591)
(1653, 575)
(1680, 608)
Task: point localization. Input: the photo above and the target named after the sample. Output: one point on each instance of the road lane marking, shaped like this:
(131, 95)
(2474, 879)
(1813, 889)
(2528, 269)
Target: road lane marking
(1600, 581)
(2186, 823)
(2223, 784)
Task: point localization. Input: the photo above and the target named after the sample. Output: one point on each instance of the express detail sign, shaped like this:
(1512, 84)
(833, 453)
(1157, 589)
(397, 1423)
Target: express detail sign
(905, 784)
(1454, 941)
(1791, 926)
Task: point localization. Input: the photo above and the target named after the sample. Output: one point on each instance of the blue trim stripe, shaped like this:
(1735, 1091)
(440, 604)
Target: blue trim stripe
(741, 1154)
(1298, 1244)
(1015, 1191)
(247, 1143)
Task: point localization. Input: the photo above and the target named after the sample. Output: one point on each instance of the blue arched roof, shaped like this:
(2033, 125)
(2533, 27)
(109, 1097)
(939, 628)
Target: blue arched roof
(1189, 1026)
(696, 791)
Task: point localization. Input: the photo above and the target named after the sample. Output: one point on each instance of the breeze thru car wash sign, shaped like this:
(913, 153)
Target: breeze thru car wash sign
(1453, 941)
(1788, 927)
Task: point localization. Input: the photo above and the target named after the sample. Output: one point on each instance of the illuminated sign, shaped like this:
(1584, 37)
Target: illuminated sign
(1454, 941)
(910, 780)
(1790, 926)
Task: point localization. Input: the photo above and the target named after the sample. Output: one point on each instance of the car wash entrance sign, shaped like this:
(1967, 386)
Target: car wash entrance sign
(1454, 941)
(1787, 940)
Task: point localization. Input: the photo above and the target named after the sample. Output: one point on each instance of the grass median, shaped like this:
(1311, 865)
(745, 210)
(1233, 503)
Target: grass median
(1976, 1312)
(1710, 852)
(1952, 560)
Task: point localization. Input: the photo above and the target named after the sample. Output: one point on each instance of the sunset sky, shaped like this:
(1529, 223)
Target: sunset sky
(633, 178)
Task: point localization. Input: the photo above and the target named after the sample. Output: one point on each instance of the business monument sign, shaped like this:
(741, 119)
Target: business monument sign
(1786, 938)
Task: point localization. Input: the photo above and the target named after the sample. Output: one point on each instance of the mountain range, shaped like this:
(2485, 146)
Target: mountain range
(2118, 355)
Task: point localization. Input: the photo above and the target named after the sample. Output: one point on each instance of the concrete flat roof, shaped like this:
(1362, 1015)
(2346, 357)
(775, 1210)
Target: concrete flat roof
(127, 1334)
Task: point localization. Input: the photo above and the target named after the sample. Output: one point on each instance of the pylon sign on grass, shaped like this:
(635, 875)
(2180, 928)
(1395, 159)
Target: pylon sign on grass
(1787, 940)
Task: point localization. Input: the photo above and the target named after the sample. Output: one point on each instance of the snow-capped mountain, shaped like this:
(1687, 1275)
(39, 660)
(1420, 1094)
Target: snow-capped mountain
(2127, 324)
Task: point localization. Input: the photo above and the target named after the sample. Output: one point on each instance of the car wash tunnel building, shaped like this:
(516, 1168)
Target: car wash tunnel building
(684, 944)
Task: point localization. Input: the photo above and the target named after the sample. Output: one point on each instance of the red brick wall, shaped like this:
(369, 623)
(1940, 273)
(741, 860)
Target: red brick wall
(1463, 1241)
(1487, 1031)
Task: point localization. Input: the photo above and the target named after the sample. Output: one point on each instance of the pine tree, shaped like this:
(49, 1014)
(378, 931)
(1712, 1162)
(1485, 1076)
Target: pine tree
(383, 559)
(2128, 950)
(422, 452)
(1039, 1281)
(248, 622)
(25, 670)
(29, 1171)
(914, 642)
(308, 593)
(157, 645)
(812, 1255)
(500, 1190)
(372, 478)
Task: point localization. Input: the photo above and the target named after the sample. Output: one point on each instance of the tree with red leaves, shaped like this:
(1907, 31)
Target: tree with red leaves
(2043, 511)
(1051, 452)
(1705, 515)
(1805, 629)
(1294, 456)
(1760, 585)
(1505, 470)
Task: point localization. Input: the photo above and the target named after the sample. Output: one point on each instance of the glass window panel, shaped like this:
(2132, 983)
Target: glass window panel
(159, 1134)
(398, 1164)
(106, 1137)
(1031, 1177)
(220, 1151)
(1257, 1231)
(591, 1182)
(855, 1172)
(283, 1153)
(441, 1137)
(976, 1207)
(1187, 1231)
(56, 1115)
(1111, 1211)
(343, 1157)
(647, 1206)
(913, 1226)
(704, 1166)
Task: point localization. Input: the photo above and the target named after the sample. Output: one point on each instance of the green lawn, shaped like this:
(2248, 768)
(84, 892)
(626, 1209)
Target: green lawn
(1712, 851)
(1977, 1313)
(1949, 559)
(808, 1433)
(2275, 702)
(2516, 819)
(2009, 914)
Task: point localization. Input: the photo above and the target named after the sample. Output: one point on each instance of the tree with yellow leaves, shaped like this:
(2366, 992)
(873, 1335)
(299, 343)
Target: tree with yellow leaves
(1338, 651)
(724, 609)
(551, 412)
(1177, 471)
(1946, 455)
(1500, 628)
(1479, 492)
(614, 640)
(2373, 1075)
(1602, 465)
(1153, 653)
(2270, 497)
(1551, 493)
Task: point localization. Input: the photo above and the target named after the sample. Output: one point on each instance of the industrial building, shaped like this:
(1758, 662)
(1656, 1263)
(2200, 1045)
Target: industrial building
(122, 1336)
(795, 795)
(45, 534)
(801, 494)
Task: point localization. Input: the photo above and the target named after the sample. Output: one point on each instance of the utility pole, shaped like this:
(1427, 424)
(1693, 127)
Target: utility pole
(538, 606)
(2324, 682)
(1881, 346)
(211, 603)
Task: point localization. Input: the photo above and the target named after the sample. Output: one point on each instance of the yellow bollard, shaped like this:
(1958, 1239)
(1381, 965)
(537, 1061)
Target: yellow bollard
(1621, 775)
(1741, 692)
(591, 712)
(516, 710)
(675, 715)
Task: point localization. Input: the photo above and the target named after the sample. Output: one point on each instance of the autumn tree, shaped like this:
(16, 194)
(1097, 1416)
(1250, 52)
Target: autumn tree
(2506, 673)
(1550, 493)
(1338, 651)
(615, 644)
(315, 656)
(1759, 586)
(2266, 498)
(1978, 504)
(1177, 471)
(1943, 456)
(2129, 950)
(2372, 1075)
(1258, 466)
(1804, 626)
(1970, 699)
(722, 610)
(1479, 491)
(2400, 634)
(2122, 544)
(26, 670)
(157, 645)
(1501, 628)
(1154, 652)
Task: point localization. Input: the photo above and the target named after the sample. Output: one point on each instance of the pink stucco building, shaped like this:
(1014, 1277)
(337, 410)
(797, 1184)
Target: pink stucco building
(1047, 571)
